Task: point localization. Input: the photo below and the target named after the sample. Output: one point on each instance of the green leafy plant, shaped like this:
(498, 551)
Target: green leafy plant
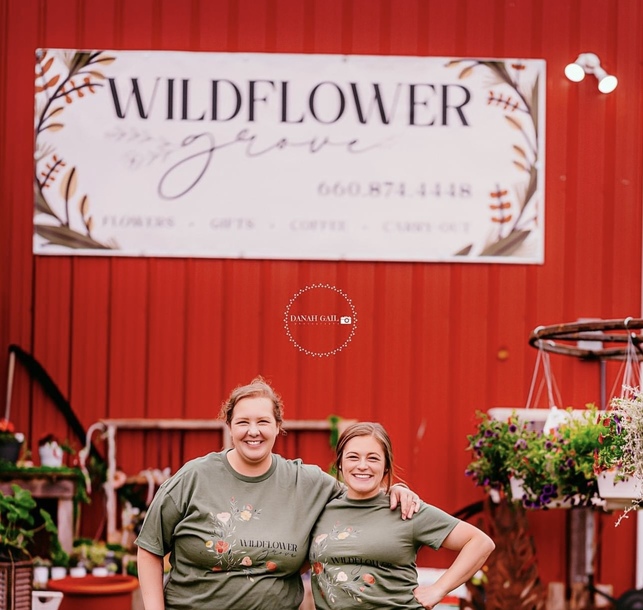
(17, 525)
(626, 435)
(622, 449)
(8, 436)
(611, 441)
(495, 451)
(559, 465)
(92, 553)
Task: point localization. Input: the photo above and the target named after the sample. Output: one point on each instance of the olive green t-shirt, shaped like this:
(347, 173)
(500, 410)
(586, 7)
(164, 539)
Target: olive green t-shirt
(362, 554)
(236, 542)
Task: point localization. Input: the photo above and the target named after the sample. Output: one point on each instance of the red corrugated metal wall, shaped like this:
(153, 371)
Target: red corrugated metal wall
(170, 338)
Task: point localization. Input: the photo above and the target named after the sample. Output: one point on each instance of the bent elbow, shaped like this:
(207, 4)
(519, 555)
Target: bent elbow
(489, 546)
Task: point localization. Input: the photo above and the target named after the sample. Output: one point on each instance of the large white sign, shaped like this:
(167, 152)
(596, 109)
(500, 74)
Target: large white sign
(237, 155)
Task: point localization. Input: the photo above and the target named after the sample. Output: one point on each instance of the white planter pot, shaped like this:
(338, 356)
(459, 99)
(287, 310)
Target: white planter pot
(51, 454)
(618, 494)
(58, 572)
(518, 493)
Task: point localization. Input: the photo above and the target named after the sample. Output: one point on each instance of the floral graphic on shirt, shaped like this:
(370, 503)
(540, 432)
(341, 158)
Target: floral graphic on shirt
(223, 542)
(337, 580)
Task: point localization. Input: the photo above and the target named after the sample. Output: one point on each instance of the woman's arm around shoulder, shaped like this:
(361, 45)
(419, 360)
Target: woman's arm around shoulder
(150, 578)
(474, 547)
(408, 500)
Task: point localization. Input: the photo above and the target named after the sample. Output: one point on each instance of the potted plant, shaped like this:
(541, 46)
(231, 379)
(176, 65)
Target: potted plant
(620, 457)
(494, 449)
(50, 451)
(540, 469)
(10, 441)
(17, 531)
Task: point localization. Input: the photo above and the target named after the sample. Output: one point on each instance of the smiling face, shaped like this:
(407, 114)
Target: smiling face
(363, 466)
(254, 430)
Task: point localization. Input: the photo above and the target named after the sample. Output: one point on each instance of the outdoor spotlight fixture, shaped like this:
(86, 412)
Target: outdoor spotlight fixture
(588, 63)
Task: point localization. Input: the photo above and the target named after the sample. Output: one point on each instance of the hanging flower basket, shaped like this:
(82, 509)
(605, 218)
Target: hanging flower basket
(541, 466)
(619, 493)
(548, 499)
(620, 459)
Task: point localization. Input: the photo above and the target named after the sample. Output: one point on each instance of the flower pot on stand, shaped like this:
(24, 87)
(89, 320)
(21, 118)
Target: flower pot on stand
(10, 449)
(96, 592)
(621, 493)
(518, 494)
(51, 454)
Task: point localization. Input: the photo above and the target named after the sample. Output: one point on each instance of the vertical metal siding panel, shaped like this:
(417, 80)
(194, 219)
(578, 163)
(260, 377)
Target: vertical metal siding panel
(211, 27)
(508, 385)
(51, 345)
(136, 27)
(547, 529)
(356, 382)
(175, 25)
(58, 30)
(204, 354)
(316, 379)
(509, 283)
(19, 35)
(52, 277)
(6, 254)
(97, 21)
(251, 25)
(625, 241)
(616, 552)
(128, 325)
(279, 358)
(442, 31)
(402, 26)
(621, 239)
(593, 106)
(482, 29)
(468, 359)
(242, 321)
(166, 339)
(343, 398)
(393, 372)
(89, 336)
(363, 19)
(522, 29)
(89, 369)
(559, 216)
(288, 26)
(432, 395)
(135, 24)
(328, 23)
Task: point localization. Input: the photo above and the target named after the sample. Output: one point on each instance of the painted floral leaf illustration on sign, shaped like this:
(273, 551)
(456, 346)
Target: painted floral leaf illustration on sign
(62, 79)
(514, 219)
(289, 156)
